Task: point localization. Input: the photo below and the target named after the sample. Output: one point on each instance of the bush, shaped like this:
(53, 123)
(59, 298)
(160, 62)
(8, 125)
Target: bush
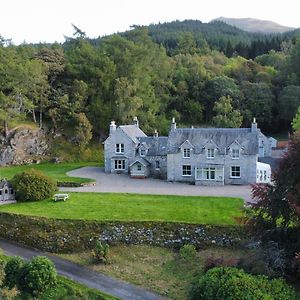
(2, 273)
(12, 271)
(100, 252)
(231, 283)
(8, 294)
(187, 252)
(38, 275)
(33, 185)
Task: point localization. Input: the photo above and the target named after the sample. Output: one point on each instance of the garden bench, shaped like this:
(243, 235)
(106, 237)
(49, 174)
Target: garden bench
(61, 197)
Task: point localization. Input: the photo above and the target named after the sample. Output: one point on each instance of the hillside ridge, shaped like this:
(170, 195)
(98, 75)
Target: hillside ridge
(255, 25)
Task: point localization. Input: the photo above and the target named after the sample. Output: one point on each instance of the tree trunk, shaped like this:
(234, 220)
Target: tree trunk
(41, 118)
(5, 128)
(33, 115)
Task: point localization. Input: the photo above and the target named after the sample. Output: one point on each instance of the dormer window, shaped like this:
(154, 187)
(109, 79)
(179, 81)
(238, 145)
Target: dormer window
(186, 153)
(235, 153)
(142, 152)
(120, 148)
(210, 153)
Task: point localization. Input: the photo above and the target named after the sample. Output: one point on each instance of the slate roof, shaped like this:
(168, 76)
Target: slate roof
(222, 137)
(4, 183)
(140, 160)
(156, 145)
(133, 132)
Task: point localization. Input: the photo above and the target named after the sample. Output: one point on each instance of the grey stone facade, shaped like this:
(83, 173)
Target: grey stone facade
(202, 156)
(6, 191)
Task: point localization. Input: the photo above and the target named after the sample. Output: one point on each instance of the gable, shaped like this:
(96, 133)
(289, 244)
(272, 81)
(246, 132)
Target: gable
(235, 145)
(186, 144)
(210, 144)
(119, 137)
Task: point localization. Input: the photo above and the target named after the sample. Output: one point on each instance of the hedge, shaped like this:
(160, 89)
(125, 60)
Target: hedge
(63, 236)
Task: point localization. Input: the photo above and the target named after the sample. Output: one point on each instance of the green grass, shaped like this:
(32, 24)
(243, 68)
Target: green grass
(56, 171)
(158, 269)
(69, 289)
(135, 207)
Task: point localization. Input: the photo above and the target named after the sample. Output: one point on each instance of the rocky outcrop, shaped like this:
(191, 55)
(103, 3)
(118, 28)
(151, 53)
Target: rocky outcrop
(23, 145)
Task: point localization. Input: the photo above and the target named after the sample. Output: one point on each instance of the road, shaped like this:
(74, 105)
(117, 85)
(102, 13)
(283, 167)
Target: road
(90, 278)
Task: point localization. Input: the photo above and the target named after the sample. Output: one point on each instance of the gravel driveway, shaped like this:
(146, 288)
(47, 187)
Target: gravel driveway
(122, 183)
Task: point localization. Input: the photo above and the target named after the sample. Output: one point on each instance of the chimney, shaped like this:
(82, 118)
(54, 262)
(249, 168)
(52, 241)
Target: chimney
(254, 126)
(173, 125)
(135, 121)
(112, 127)
(155, 133)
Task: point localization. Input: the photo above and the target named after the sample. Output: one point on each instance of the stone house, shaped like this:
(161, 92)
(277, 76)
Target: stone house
(6, 191)
(202, 156)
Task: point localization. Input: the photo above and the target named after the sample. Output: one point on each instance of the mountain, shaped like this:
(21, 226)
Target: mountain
(255, 25)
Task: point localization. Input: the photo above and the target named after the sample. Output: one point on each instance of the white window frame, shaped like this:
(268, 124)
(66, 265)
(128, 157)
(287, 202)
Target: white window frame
(232, 171)
(209, 171)
(186, 170)
(186, 153)
(120, 164)
(139, 167)
(210, 153)
(200, 174)
(142, 152)
(157, 165)
(235, 153)
(265, 175)
(120, 148)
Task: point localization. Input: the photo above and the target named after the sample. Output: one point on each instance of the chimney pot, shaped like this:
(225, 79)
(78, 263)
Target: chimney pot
(254, 125)
(173, 125)
(135, 121)
(112, 127)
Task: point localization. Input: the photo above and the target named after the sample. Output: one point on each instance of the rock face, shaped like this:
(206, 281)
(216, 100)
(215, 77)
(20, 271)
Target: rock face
(23, 145)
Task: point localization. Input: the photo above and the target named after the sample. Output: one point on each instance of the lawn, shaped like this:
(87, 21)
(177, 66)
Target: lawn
(56, 171)
(135, 207)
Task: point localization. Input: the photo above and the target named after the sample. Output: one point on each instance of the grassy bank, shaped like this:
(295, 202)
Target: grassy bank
(159, 269)
(135, 207)
(56, 171)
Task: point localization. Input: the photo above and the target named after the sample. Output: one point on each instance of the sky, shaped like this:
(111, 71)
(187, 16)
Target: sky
(34, 21)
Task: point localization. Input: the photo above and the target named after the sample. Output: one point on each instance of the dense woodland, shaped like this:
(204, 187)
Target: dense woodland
(201, 74)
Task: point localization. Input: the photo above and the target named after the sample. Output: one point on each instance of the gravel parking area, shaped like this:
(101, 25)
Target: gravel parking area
(122, 183)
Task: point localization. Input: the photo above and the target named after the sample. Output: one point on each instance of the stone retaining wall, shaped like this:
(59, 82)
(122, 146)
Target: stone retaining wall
(63, 236)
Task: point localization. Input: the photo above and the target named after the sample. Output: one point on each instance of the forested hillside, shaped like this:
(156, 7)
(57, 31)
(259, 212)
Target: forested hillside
(153, 73)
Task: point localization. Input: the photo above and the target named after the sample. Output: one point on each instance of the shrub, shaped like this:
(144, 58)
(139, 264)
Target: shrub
(100, 252)
(12, 271)
(2, 273)
(231, 283)
(187, 252)
(33, 185)
(9, 294)
(38, 275)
